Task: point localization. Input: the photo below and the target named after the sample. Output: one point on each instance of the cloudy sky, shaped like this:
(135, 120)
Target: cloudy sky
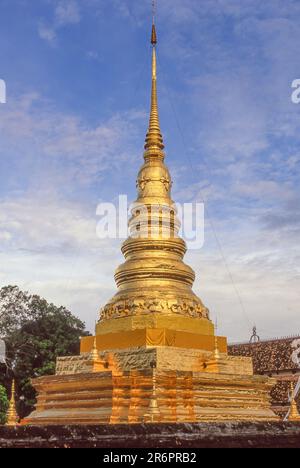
(72, 130)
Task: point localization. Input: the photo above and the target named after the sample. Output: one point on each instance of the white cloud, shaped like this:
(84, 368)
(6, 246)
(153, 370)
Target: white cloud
(93, 55)
(66, 146)
(43, 223)
(47, 33)
(48, 242)
(260, 267)
(49, 247)
(66, 13)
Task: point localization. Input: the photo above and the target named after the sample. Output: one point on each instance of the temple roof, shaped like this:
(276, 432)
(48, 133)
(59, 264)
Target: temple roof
(269, 356)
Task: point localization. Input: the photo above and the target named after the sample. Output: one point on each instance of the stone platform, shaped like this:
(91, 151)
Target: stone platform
(176, 436)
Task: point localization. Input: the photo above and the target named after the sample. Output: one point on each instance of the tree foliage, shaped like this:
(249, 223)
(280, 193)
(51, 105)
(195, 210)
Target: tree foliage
(36, 333)
(3, 404)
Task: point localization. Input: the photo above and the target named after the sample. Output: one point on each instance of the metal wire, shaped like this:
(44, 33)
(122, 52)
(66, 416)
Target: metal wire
(153, 10)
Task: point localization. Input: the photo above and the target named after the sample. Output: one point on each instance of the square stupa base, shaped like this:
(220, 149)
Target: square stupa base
(152, 395)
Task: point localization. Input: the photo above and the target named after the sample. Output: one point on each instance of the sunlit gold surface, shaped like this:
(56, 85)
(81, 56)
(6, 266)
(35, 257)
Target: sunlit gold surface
(12, 416)
(154, 280)
(155, 357)
(129, 397)
(294, 413)
(154, 337)
(167, 358)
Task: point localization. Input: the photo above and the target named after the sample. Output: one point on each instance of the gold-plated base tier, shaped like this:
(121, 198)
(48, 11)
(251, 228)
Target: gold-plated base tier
(135, 396)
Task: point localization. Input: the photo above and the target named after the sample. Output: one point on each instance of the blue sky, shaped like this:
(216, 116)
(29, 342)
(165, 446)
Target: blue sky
(72, 132)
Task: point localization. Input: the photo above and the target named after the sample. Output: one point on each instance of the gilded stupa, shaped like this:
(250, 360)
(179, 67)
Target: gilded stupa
(155, 356)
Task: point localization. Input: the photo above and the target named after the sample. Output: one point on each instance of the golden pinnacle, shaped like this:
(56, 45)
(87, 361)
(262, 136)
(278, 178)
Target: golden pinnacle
(94, 352)
(12, 416)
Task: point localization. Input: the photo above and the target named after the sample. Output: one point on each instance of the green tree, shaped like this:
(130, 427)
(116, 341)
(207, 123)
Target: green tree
(3, 404)
(36, 333)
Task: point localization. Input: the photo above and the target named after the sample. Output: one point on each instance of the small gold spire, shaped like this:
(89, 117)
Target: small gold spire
(94, 352)
(153, 415)
(216, 351)
(12, 416)
(294, 413)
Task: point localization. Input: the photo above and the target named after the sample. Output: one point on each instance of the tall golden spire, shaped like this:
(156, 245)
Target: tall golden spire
(154, 141)
(154, 284)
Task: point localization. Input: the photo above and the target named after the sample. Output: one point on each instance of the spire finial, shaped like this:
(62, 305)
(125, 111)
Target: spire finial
(154, 142)
(153, 11)
(153, 34)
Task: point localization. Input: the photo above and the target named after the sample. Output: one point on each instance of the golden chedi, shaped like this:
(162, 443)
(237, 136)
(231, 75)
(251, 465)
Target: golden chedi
(154, 303)
(155, 356)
